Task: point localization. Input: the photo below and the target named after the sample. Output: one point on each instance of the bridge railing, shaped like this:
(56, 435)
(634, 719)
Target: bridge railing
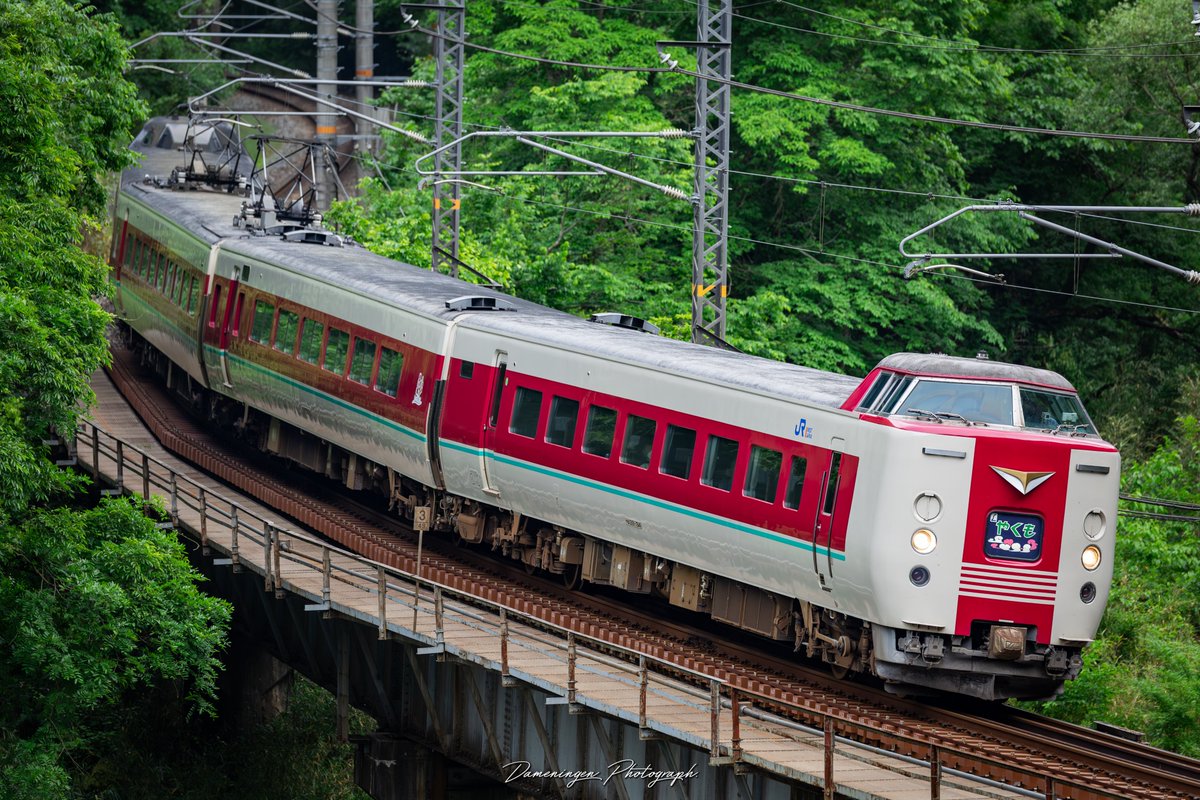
(262, 545)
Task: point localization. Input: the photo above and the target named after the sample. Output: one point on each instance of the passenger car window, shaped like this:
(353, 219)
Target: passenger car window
(526, 407)
(193, 300)
(762, 476)
(391, 364)
(310, 341)
(285, 331)
(678, 447)
(795, 483)
(336, 349)
(639, 441)
(564, 414)
(601, 426)
(720, 458)
(264, 317)
(363, 361)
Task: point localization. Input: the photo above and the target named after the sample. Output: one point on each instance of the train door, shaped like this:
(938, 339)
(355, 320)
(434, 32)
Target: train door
(496, 394)
(826, 505)
(229, 321)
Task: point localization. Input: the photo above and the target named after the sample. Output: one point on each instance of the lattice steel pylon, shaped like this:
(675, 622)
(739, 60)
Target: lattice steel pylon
(710, 259)
(447, 197)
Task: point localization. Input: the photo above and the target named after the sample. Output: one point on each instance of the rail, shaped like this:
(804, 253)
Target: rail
(261, 545)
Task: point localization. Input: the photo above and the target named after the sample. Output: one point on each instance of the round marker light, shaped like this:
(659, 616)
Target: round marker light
(1094, 524)
(1090, 557)
(923, 541)
(1087, 592)
(919, 576)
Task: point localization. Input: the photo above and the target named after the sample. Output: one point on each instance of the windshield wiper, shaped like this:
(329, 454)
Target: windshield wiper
(1072, 430)
(936, 416)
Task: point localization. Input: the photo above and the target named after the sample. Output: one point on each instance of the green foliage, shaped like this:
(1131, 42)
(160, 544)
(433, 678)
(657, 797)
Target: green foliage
(1144, 671)
(94, 605)
(67, 120)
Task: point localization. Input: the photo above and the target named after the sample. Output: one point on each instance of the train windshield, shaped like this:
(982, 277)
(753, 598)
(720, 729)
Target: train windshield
(987, 403)
(980, 403)
(1058, 413)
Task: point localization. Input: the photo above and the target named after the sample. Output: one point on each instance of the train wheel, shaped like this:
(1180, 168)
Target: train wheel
(571, 576)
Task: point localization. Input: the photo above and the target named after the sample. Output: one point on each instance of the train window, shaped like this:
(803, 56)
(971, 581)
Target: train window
(895, 390)
(336, 349)
(719, 461)
(466, 370)
(598, 436)
(285, 331)
(876, 389)
(762, 476)
(639, 441)
(564, 414)
(193, 295)
(162, 271)
(212, 310)
(363, 361)
(835, 470)
(678, 448)
(264, 319)
(391, 364)
(527, 406)
(181, 280)
(310, 341)
(138, 266)
(130, 241)
(989, 403)
(169, 290)
(1054, 412)
(795, 483)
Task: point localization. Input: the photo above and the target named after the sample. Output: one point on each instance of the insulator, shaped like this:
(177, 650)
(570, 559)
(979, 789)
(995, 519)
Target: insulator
(1192, 209)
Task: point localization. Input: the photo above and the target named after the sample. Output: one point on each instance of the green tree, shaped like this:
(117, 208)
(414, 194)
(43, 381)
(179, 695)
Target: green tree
(67, 121)
(99, 604)
(94, 606)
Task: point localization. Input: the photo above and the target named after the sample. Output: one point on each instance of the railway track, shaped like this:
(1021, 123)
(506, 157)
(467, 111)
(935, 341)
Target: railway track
(994, 742)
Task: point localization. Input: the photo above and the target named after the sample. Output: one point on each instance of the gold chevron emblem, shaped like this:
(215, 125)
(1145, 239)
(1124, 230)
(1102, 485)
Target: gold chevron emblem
(1023, 482)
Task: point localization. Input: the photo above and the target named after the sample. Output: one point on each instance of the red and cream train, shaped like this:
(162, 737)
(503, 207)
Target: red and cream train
(944, 523)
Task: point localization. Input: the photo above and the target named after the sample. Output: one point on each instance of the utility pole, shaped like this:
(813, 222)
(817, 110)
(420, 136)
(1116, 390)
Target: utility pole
(364, 62)
(326, 127)
(710, 258)
(447, 194)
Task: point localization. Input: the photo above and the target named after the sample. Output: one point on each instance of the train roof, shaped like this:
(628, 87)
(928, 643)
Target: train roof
(983, 368)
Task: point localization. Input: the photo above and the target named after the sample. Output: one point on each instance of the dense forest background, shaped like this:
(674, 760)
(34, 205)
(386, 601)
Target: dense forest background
(101, 621)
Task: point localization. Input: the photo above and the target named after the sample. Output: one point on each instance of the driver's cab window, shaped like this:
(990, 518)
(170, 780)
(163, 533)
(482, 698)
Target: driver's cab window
(987, 403)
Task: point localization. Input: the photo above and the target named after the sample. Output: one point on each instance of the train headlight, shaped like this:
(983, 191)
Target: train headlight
(923, 541)
(1090, 557)
(919, 576)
